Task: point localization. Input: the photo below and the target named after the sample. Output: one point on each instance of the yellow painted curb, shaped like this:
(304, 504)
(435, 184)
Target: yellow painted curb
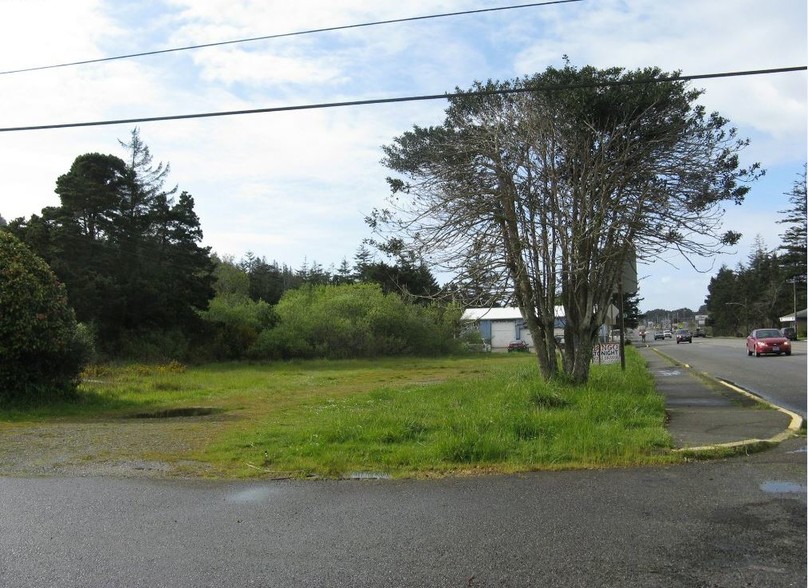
(796, 420)
(793, 426)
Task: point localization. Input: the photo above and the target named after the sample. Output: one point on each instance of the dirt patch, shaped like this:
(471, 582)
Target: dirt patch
(127, 447)
(189, 411)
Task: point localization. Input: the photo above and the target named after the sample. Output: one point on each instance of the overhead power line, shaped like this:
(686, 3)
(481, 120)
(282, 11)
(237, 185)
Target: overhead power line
(282, 35)
(425, 97)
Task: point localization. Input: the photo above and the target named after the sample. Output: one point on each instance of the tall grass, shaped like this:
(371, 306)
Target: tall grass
(503, 419)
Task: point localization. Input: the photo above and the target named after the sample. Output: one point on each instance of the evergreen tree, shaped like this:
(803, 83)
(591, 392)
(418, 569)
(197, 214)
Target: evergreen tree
(794, 258)
(343, 274)
(127, 250)
(317, 275)
(764, 287)
(726, 312)
(752, 296)
(631, 309)
(362, 259)
(267, 281)
(408, 275)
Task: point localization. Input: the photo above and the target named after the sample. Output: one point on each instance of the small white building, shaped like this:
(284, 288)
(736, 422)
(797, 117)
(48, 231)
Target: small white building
(501, 326)
(797, 321)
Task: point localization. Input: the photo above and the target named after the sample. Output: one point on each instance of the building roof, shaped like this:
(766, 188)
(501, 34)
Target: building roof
(509, 313)
(801, 314)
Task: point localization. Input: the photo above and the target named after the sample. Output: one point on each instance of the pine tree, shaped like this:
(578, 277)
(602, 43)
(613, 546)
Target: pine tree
(794, 258)
(128, 252)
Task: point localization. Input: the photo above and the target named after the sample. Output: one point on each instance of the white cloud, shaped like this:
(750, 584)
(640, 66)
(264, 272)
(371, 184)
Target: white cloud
(294, 186)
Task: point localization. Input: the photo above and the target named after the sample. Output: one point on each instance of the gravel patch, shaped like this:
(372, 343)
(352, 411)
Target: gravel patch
(153, 448)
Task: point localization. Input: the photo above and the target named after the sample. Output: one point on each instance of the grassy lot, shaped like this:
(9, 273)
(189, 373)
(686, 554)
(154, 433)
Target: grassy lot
(396, 417)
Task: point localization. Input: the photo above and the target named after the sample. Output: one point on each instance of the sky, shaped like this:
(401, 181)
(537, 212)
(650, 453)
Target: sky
(295, 187)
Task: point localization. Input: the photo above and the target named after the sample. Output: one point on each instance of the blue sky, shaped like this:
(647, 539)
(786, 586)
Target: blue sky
(295, 186)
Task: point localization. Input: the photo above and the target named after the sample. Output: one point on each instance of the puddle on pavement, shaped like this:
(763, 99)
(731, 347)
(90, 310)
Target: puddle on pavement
(250, 495)
(782, 487)
(800, 450)
(670, 372)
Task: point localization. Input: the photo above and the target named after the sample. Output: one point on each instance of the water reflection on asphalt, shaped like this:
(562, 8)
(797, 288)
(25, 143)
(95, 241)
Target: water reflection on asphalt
(782, 487)
(250, 495)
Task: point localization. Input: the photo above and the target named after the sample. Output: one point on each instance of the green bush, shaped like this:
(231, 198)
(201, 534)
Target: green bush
(42, 352)
(354, 321)
(235, 323)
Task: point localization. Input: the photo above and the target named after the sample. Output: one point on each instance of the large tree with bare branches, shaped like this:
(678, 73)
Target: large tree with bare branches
(551, 181)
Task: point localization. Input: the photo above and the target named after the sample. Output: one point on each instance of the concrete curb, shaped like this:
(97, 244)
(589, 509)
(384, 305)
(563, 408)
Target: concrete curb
(746, 445)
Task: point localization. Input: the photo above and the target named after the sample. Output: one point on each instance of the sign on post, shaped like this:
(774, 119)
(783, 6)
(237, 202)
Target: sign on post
(606, 353)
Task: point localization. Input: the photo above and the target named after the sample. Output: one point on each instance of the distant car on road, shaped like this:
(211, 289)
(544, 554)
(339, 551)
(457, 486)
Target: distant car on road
(659, 335)
(699, 333)
(766, 341)
(518, 346)
(683, 336)
(789, 333)
(667, 334)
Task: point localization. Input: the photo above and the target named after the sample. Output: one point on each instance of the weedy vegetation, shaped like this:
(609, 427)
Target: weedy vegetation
(397, 417)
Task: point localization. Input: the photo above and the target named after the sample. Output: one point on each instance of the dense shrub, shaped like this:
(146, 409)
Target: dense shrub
(42, 351)
(352, 321)
(153, 345)
(234, 322)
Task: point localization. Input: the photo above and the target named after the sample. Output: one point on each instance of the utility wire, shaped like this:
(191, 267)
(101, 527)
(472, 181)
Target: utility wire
(282, 35)
(444, 96)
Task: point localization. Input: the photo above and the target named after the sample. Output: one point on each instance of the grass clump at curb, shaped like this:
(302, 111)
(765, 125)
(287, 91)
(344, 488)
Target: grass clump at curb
(504, 419)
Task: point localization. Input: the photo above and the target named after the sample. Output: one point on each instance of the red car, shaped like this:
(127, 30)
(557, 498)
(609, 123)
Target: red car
(518, 346)
(762, 341)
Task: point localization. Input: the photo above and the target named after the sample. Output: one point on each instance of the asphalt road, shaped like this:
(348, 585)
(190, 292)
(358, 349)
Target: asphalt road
(780, 379)
(738, 522)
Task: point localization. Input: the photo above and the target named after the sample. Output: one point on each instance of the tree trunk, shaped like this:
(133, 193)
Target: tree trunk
(578, 352)
(545, 346)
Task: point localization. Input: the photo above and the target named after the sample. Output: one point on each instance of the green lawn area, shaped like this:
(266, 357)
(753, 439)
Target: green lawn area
(396, 417)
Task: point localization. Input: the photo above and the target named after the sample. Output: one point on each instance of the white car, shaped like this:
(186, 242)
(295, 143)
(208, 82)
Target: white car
(667, 334)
